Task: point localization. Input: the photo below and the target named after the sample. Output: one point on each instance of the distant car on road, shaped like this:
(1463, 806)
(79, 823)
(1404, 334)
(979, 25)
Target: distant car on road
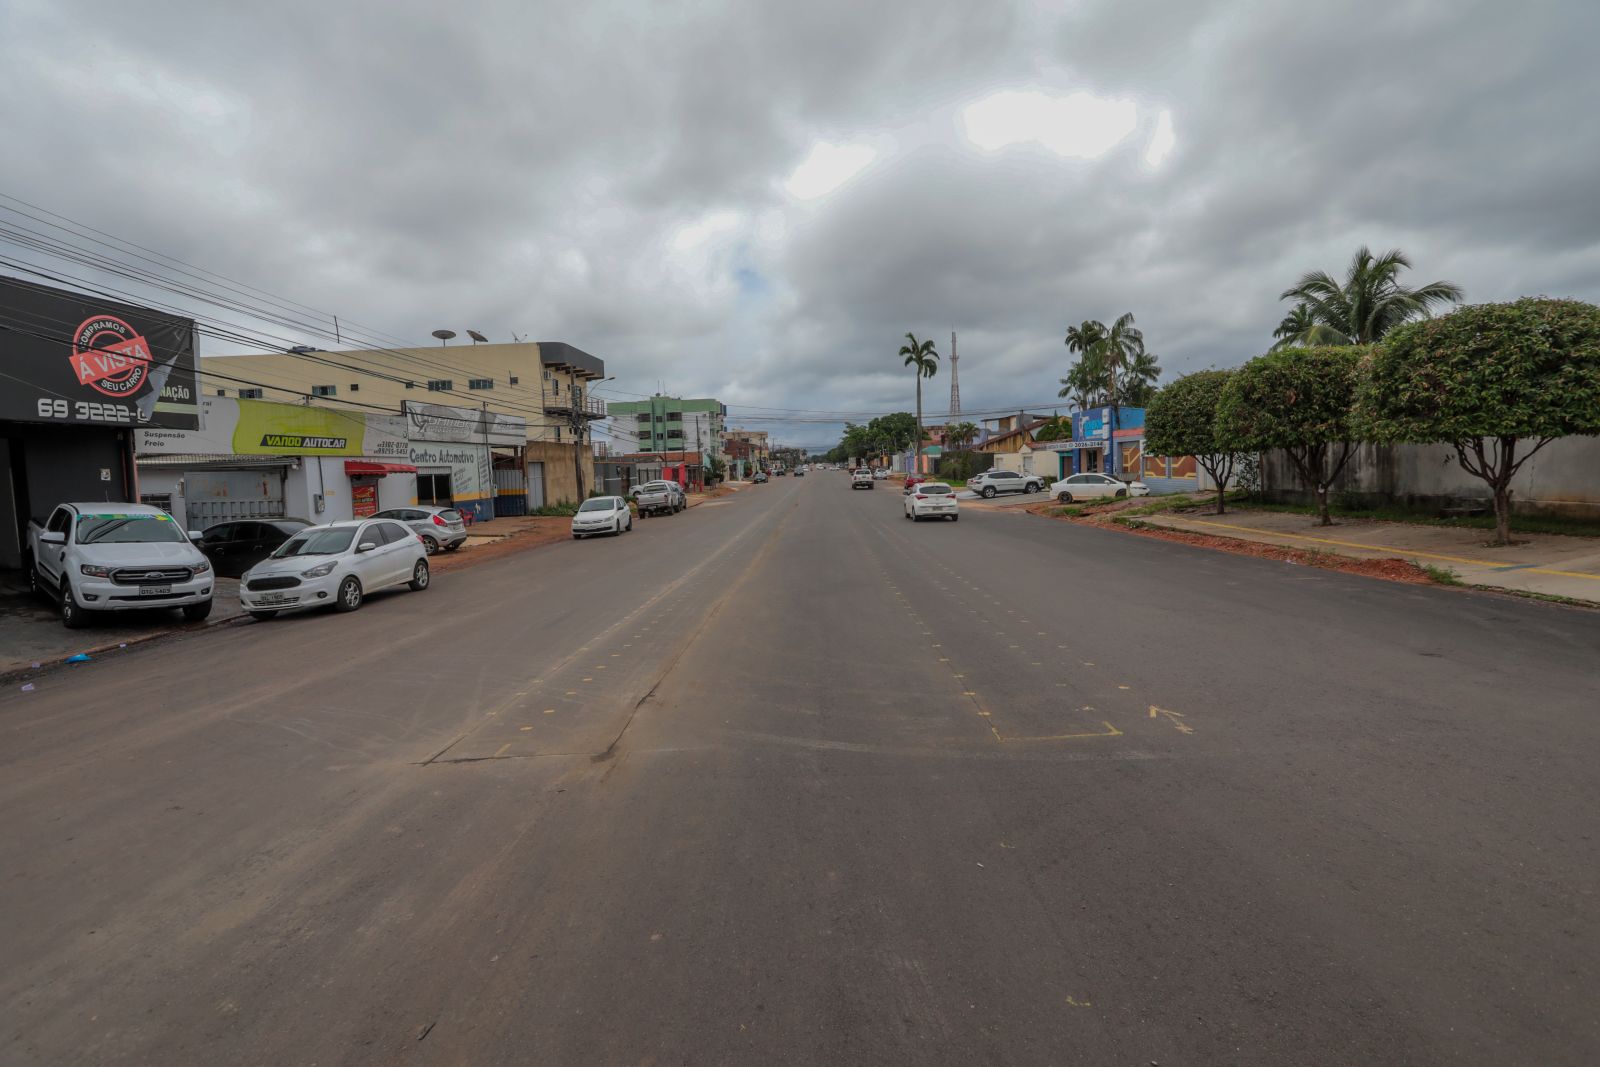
(861, 479)
(438, 527)
(602, 514)
(337, 565)
(1094, 487)
(880, 474)
(992, 482)
(799, 472)
(760, 478)
(659, 497)
(235, 546)
(932, 500)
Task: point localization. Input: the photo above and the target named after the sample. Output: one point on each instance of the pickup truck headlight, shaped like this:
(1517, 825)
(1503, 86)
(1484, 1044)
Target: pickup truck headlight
(91, 571)
(321, 570)
(203, 567)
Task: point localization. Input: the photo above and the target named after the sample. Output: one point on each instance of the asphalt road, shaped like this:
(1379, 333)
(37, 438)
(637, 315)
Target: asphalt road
(787, 780)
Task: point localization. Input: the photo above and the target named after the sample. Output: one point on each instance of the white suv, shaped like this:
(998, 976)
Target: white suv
(992, 482)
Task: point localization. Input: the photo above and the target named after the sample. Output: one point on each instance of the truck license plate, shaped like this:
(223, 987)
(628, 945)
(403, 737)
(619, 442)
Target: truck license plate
(154, 590)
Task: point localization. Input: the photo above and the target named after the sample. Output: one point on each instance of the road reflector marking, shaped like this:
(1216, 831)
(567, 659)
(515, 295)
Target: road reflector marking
(525, 729)
(503, 748)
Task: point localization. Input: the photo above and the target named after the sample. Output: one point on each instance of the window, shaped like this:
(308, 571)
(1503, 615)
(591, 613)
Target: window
(644, 420)
(513, 379)
(480, 383)
(674, 416)
(411, 385)
(434, 489)
(441, 385)
(249, 394)
(555, 387)
(222, 392)
(324, 390)
(59, 521)
(355, 387)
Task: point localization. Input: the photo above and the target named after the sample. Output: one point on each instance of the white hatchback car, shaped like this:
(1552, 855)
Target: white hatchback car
(1095, 486)
(602, 514)
(932, 500)
(337, 564)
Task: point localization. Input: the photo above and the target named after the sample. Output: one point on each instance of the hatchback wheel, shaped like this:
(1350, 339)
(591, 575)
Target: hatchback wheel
(988, 492)
(349, 598)
(419, 576)
(1063, 497)
(1121, 493)
(430, 544)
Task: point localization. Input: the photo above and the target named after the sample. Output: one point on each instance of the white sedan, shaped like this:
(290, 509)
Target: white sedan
(335, 565)
(602, 514)
(932, 500)
(1095, 486)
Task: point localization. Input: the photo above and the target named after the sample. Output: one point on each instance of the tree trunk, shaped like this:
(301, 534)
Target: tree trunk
(1222, 497)
(916, 434)
(1502, 513)
(1322, 505)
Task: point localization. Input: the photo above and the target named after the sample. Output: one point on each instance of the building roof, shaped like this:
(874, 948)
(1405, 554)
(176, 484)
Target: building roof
(566, 357)
(1025, 428)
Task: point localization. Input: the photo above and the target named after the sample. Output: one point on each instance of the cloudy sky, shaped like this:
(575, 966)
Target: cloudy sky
(756, 200)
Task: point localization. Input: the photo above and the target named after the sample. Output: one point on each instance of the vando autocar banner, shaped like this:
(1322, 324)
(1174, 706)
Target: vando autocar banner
(264, 428)
(71, 358)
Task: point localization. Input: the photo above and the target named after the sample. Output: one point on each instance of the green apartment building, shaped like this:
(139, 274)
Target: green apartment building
(668, 424)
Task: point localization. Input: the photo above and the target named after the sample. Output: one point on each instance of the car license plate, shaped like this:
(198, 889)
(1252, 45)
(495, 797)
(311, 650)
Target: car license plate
(154, 590)
(272, 598)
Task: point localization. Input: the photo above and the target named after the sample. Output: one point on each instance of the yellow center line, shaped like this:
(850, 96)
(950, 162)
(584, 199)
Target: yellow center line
(1497, 565)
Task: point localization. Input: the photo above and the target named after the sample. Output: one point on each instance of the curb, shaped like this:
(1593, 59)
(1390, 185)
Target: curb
(51, 666)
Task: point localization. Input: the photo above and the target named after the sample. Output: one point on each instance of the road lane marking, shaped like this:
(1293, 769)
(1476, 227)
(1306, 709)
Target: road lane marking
(503, 748)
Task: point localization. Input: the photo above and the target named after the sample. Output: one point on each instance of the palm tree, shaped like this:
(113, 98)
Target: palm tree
(1367, 304)
(1083, 338)
(1139, 379)
(1085, 382)
(1121, 343)
(960, 435)
(924, 361)
(1298, 328)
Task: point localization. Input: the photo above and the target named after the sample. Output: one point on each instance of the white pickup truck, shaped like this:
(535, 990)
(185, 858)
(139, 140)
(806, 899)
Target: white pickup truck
(861, 478)
(117, 557)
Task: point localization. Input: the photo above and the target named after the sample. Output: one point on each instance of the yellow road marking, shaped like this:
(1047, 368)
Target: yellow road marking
(525, 729)
(1404, 551)
(503, 748)
(549, 711)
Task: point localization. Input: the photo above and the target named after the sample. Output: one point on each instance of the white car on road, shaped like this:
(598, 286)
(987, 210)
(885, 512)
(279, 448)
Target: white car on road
(990, 483)
(602, 514)
(1094, 487)
(338, 564)
(932, 500)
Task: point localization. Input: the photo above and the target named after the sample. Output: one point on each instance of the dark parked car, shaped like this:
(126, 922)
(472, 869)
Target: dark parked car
(234, 547)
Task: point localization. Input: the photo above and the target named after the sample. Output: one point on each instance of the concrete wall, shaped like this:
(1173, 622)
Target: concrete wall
(1562, 479)
(560, 484)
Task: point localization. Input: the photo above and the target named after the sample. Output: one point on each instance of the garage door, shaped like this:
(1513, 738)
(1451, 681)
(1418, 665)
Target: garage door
(211, 497)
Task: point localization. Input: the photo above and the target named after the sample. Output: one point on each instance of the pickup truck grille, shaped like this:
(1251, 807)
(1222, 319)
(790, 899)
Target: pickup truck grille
(261, 585)
(150, 575)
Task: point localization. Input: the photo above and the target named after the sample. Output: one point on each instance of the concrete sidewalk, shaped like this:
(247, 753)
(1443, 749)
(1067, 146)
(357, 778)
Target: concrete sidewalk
(1540, 563)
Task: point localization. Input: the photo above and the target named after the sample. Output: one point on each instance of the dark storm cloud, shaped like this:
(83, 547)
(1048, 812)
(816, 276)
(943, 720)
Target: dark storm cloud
(613, 174)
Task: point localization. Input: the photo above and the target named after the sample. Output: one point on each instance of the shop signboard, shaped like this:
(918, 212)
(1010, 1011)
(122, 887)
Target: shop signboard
(364, 499)
(71, 358)
(457, 441)
(232, 427)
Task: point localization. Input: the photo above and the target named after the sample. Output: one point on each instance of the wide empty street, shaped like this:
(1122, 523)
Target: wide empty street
(789, 779)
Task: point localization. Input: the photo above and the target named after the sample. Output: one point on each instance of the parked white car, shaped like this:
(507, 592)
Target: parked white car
(602, 514)
(336, 565)
(438, 527)
(932, 500)
(992, 482)
(117, 557)
(1094, 487)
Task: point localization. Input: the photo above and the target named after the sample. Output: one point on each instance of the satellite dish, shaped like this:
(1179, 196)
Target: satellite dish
(476, 336)
(444, 335)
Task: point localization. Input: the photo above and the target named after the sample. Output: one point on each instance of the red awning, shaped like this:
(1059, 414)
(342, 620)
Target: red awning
(365, 466)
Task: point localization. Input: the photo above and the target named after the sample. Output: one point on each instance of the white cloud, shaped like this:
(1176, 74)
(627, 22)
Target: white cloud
(1078, 124)
(826, 168)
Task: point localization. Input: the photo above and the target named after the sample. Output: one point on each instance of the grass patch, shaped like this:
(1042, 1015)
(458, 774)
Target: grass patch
(1441, 575)
(1537, 524)
(552, 511)
(1068, 511)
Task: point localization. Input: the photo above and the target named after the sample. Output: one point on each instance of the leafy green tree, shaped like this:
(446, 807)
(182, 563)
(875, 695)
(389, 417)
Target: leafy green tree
(924, 361)
(1299, 400)
(1057, 428)
(1365, 306)
(1181, 420)
(896, 430)
(1489, 379)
